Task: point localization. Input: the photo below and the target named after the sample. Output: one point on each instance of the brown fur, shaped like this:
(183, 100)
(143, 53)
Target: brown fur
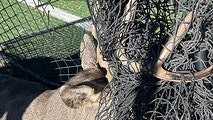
(24, 100)
(75, 100)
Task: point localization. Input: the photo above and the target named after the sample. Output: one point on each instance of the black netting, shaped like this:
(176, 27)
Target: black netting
(160, 54)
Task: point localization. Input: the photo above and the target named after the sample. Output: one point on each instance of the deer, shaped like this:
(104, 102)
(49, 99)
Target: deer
(77, 99)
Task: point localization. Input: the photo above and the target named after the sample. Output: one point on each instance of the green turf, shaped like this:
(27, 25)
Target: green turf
(60, 43)
(18, 19)
(75, 7)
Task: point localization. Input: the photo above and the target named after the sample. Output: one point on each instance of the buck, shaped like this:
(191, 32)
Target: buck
(77, 99)
(173, 41)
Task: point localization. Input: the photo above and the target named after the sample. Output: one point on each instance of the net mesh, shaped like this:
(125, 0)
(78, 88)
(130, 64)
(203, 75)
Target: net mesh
(132, 35)
(139, 30)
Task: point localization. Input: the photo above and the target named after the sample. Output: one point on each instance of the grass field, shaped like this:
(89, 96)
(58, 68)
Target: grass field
(75, 7)
(17, 19)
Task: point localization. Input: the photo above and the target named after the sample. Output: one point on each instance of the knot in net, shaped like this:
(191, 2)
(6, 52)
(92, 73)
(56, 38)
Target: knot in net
(160, 54)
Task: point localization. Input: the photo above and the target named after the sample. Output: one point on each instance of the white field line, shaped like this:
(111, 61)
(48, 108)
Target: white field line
(58, 13)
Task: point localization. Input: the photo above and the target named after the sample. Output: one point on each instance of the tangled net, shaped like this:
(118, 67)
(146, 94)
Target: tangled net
(132, 35)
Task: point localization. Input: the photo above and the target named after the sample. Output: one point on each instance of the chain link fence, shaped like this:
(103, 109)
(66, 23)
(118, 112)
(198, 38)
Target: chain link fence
(37, 46)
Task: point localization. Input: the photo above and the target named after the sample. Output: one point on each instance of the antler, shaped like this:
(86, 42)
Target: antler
(173, 41)
(100, 61)
(120, 53)
(130, 9)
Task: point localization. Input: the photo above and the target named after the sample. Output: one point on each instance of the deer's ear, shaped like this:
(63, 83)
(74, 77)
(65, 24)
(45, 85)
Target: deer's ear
(76, 96)
(88, 53)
